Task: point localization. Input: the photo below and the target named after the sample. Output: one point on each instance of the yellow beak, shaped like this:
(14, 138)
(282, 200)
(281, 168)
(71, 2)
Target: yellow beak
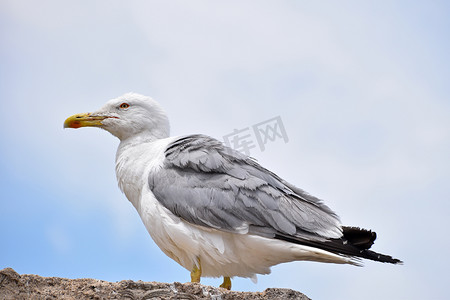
(83, 120)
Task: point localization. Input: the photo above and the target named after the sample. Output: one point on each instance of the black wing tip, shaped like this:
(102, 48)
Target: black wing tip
(363, 239)
(359, 237)
(354, 246)
(372, 255)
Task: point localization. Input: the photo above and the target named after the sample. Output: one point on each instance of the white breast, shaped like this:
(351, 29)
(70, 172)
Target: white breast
(133, 164)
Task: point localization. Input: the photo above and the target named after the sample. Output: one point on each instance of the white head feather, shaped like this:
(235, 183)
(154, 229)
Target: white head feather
(132, 115)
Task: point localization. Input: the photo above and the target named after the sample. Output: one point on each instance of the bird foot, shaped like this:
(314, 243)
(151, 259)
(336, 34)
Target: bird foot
(226, 283)
(196, 273)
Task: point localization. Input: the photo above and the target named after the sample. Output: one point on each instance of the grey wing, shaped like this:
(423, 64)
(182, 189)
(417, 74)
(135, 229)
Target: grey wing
(205, 183)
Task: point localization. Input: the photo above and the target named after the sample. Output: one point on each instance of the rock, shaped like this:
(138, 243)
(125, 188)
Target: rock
(15, 286)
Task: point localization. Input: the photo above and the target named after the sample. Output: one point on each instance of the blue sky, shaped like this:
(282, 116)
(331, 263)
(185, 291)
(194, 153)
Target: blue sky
(362, 90)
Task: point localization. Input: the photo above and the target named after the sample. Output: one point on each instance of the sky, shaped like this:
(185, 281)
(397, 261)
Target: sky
(361, 88)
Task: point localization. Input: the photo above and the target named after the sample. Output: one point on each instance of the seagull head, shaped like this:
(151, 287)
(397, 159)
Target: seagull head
(125, 117)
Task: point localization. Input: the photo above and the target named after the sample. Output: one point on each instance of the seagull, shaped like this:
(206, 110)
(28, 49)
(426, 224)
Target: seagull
(214, 210)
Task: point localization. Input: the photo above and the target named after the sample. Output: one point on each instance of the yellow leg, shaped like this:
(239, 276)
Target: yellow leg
(226, 283)
(196, 272)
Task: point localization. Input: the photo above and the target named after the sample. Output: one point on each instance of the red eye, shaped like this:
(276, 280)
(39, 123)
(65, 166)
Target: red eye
(124, 105)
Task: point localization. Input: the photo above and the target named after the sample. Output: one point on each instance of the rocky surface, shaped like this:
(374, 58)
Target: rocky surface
(15, 286)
